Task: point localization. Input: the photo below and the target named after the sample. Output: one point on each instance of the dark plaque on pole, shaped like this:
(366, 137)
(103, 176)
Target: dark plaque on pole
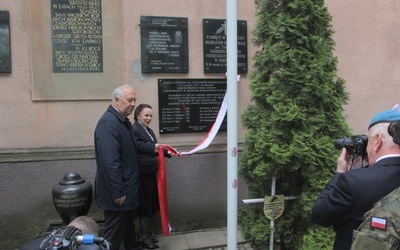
(214, 45)
(164, 44)
(190, 105)
(5, 45)
(77, 36)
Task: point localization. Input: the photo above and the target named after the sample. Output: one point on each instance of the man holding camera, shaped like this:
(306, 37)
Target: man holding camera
(349, 194)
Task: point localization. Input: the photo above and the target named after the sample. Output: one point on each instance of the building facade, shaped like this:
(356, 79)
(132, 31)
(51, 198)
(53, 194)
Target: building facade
(49, 114)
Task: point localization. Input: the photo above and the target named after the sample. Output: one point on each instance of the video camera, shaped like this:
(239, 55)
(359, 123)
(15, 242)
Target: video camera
(71, 238)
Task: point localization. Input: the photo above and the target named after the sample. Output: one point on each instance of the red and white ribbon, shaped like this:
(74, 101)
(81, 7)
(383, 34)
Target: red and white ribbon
(213, 131)
(162, 178)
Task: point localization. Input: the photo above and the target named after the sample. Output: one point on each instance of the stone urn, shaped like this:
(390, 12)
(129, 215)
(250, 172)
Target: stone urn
(72, 197)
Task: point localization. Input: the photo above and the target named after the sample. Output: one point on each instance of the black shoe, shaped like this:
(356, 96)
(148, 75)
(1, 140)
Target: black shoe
(147, 244)
(153, 238)
(137, 247)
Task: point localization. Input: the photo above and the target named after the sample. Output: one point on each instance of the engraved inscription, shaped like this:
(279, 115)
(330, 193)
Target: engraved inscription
(5, 43)
(214, 46)
(77, 36)
(70, 201)
(164, 44)
(189, 105)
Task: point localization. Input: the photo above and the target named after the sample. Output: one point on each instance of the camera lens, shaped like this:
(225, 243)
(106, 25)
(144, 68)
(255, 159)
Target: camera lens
(343, 142)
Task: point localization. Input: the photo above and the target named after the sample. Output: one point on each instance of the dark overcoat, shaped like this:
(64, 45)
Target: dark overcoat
(117, 162)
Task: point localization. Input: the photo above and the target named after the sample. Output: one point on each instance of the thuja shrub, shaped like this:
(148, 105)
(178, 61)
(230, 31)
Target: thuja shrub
(295, 115)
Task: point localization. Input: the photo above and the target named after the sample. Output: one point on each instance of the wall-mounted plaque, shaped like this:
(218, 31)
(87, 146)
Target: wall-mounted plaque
(164, 44)
(77, 36)
(190, 105)
(5, 45)
(214, 45)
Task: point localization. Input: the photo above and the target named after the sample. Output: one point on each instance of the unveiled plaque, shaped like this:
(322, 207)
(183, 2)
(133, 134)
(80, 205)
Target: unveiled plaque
(190, 105)
(5, 45)
(164, 44)
(274, 206)
(77, 36)
(214, 45)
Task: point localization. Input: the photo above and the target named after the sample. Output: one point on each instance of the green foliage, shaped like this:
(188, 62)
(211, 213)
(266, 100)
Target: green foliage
(318, 238)
(295, 116)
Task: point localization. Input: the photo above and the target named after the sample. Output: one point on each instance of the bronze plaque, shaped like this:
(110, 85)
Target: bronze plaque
(274, 206)
(214, 45)
(77, 36)
(190, 105)
(164, 44)
(5, 45)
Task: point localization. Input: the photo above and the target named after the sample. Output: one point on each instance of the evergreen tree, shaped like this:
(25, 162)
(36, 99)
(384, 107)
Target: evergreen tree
(295, 116)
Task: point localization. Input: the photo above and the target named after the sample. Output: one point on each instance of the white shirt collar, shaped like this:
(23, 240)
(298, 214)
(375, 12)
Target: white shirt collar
(387, 156)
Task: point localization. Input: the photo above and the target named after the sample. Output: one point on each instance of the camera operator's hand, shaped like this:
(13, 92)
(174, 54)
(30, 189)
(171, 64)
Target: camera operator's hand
(120, 200)
(346, 161)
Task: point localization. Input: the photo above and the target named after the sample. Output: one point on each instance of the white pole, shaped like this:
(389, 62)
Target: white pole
(272, 224)
(232, 152)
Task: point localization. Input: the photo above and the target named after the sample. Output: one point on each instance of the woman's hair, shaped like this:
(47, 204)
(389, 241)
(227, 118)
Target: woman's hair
(391, 128)
(394, 131)
(139, 109)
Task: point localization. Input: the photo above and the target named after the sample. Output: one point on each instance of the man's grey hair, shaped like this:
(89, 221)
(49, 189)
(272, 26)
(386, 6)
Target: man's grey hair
(119, 90)
(382, 128)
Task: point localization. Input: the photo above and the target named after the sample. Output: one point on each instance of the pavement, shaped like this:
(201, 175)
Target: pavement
(207, 239)
(203, 239)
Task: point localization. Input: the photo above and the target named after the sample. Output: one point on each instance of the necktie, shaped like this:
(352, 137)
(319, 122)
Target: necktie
(148, 132)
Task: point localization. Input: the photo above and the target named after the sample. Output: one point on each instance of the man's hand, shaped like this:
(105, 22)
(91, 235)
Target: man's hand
(342, 163)
(120, 201)
(346, 161)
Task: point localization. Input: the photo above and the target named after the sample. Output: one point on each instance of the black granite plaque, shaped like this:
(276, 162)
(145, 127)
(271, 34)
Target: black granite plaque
(5, 46)
(190, 105)
(164, 44)
(214, 45)
(77, 36)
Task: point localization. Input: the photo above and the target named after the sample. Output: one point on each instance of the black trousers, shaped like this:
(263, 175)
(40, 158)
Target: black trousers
(119, 228)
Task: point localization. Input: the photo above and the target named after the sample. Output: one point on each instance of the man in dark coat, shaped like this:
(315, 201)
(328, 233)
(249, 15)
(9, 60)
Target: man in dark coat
(349, 194)
(117, 177)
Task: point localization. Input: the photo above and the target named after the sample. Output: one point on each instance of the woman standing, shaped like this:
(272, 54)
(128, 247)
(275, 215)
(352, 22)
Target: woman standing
(148, 166)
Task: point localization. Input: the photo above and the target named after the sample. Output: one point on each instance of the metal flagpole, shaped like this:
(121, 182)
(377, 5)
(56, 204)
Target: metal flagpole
(232, 152)
(272, 222)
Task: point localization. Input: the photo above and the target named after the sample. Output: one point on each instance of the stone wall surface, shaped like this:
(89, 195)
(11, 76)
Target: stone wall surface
(196, 186)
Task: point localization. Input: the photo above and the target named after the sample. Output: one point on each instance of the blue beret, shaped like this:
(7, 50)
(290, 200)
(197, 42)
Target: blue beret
(385, 116)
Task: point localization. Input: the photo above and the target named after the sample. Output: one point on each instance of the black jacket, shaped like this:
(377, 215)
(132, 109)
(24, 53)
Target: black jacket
(148, 163)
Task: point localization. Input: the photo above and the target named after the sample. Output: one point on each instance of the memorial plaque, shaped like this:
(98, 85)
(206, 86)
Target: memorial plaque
(190, 105)
(164, 44)
(214, 45)
(77, 36)
(274, 206)
(5, 46)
